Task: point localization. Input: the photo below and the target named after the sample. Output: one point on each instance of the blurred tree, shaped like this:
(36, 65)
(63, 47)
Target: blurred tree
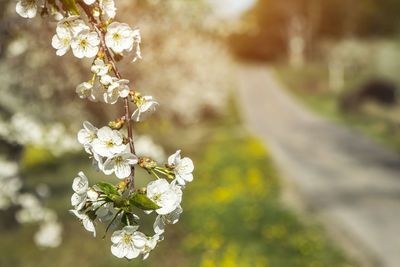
(270, 22)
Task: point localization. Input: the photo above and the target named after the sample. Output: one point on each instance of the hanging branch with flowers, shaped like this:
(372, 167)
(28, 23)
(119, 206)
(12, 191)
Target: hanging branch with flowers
(96, 35)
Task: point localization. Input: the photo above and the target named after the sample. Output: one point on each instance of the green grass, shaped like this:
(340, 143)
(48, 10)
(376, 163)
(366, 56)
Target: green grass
(232, 213)
(234, 216)
(311, 85)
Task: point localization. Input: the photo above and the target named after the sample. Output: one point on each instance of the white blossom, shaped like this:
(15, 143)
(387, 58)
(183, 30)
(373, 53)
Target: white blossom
(87, 135)
(74, 24)
(170, 218)
(108, 142)
(120, 164)
(56, 15)
(118, 88)
(98, 162)
(89, 2)
(106, 80)
(87, 223)
(145, 107)
(99, 67)
(183, 168)
(26, 8)
(85, 90)
(137, 39)
(92, 194)
(108, 8)
(61, 40)
(49, 235)
(128, 242)
(167, 196)
(151, 243)
(119, 37)
(80, 184)
(78, 201)
(85, 44)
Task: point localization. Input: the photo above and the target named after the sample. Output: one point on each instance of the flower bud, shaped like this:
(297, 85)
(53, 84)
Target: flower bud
(135, 96)
(122, 186)
(147, 163)
(117, 124)
(96, 12)
(170, 167)
(143, 190)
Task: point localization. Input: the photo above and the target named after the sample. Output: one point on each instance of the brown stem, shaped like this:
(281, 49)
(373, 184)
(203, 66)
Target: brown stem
(100, 32)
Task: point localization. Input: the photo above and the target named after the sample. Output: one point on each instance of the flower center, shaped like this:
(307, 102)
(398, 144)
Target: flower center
(127, 239)
(116, 36)
(83, 43)
(86, 92)
(110, 144)
(156, 198)
(119, 161)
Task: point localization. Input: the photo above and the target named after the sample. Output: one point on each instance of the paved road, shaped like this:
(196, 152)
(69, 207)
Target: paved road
(352, 183)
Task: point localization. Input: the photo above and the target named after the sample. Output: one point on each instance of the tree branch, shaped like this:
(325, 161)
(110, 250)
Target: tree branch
(100, 32)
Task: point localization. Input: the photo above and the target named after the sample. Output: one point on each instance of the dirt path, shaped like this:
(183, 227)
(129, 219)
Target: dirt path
(352, 183)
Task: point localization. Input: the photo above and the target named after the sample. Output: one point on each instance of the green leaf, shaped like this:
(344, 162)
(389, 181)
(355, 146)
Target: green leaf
(107, 188)
(143, 202)
(70, 5)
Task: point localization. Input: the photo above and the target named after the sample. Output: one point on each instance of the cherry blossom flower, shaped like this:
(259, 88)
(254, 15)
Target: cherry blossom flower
(85, 44)
(61, 40)
(98, 161)
(108, 142)
(167, 196)
(119, 37)
(170, 218)
(87, 135)
(151, 243)
(128, 242)
(80, 184)
(108, 8)
(145, 107)
(106, 80)
(183, 168)
(26, 8)
(118, 88)
(78, 201)
(99, 67)
(74, 24)
(85, 90)
(106, 202)
(120, 164)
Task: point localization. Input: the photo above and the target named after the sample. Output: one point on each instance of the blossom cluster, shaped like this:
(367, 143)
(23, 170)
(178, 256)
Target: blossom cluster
(54, 137)
(30, 210)
(115, 207)
(112, 147)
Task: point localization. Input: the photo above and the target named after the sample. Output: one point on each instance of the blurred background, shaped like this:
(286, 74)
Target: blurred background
(289, 109)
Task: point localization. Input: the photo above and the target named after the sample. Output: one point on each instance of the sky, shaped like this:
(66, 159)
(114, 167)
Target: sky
(231, 9)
